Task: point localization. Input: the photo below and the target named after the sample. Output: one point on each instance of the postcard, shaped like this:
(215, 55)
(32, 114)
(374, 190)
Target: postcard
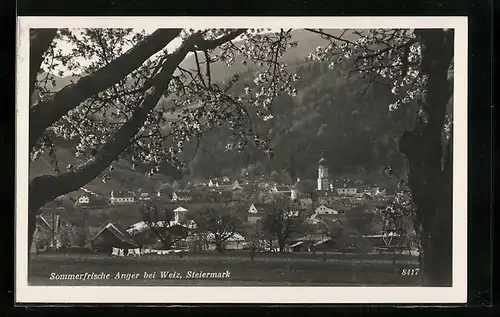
(241, 160)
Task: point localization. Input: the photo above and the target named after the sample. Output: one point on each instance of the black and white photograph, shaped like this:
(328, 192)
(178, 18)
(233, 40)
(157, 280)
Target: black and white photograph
(259, 154)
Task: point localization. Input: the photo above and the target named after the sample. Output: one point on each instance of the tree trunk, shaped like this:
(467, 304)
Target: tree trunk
(45, 188)
(282, 244)
(219, 247)
(429, 182)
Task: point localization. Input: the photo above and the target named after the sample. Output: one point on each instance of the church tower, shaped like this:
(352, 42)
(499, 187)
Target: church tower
(295, 190)
(322, 174)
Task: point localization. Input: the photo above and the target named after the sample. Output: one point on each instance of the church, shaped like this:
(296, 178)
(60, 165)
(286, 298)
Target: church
(323, 184)
(324, 187)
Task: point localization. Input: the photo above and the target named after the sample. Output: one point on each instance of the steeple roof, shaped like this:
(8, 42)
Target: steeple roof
(297, 185)
(322, 161)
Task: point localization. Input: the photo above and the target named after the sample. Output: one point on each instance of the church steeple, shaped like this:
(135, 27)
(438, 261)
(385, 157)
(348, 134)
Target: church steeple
(322, 161)
(322, 173)
(295, 189)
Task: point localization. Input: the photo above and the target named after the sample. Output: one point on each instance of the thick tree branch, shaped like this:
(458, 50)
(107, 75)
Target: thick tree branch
(204, 45)
(51, 110)
(45, 188)
(325, 35)
(40, 40)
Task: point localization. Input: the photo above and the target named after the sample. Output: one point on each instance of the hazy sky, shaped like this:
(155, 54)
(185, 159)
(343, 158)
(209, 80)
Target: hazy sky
(68, 47)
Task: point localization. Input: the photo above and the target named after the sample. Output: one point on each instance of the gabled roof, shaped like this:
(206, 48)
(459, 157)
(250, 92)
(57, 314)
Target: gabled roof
(322, 241)
(282, 189)
(296, 244)
(330, 216)
(180, 209)
(183, 194)
(345, 184)
(249, 186)
(127, 193)
(330, 222)
(110, 227)
(40, 220)
(262, 208)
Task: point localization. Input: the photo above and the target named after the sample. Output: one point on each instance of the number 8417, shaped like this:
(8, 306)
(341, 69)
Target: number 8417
(407, 272)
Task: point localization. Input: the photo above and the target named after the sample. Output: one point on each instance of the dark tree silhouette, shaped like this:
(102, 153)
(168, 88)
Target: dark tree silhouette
(220, 225)
(283, 218)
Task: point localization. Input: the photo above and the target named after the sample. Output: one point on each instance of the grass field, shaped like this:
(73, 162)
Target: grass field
(264, 270)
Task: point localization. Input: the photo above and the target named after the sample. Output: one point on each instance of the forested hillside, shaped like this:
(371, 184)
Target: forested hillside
(332, 113)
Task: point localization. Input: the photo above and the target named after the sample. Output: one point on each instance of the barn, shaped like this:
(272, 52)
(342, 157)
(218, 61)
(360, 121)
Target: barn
(111, 236)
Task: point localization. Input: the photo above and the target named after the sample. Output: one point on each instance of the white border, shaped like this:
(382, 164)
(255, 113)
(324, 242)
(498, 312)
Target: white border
(67, 294)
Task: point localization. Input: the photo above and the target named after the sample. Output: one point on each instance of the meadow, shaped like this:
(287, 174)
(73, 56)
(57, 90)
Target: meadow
(291, 269)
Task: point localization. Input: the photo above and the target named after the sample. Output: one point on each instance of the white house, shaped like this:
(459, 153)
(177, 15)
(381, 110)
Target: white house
(122, 197)
(144, 196)
(181, 196)
(235, 242)
(346, 189)
(180, 214)
(236, 186)
(324, 210)
(83, 200)
(256, 212)
(285, 190)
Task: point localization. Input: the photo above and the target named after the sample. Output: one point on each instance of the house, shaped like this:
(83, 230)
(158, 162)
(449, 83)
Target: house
(347, 191)
(325, 210)
(236, 186)
(122, 197)
(113, 236)
(180, 214)
(223, 182)
(82, 200)
(46, 234)
(142, 226)
(90, 201)
(282, 190)
(344, 188)
(327, 200)
(256, 212)
(145, 235)
(143, 195)
(303, 243)
(164, 191)
(327, 244)
(181, 196)
(235, 242)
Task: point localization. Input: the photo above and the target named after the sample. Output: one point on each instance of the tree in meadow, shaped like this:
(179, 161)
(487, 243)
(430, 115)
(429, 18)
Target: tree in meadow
(282, 219)
(159, 222)
(218, 224)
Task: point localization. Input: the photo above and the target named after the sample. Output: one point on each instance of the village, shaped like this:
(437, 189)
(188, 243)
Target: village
(327, 206)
